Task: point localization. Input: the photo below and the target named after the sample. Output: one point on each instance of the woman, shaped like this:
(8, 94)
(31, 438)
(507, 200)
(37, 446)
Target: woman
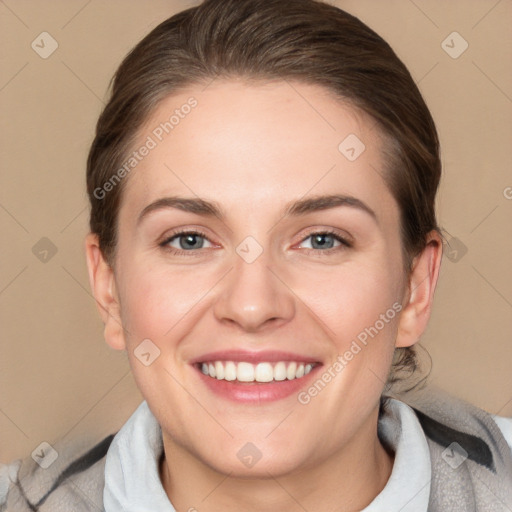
(264, 246)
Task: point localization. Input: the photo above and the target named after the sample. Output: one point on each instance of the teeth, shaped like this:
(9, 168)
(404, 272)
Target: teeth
(245, 372)
(291, 371)
(280, 371)
(261, 372)
(219, 370)
(230, 371)
(264, 372)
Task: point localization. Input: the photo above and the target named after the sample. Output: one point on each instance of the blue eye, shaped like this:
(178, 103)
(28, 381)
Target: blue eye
(191, 241)
(325, 241)
(186, 241)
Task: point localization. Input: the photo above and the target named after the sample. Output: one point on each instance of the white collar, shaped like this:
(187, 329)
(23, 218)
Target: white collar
(132, 481)
(408, 487)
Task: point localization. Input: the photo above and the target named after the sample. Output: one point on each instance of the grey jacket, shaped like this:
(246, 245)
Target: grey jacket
(471, 465)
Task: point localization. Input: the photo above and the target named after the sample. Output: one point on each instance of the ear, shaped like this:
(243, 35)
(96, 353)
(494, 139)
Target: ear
(102, 281)
(420, 292)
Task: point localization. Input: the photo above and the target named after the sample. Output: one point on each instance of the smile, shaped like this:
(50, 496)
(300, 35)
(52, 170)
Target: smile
(244, 371)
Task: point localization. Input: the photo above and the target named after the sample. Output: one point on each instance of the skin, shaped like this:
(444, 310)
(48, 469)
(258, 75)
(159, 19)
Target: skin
(252, 149)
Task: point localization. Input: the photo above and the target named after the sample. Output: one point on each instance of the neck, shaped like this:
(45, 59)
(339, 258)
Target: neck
(347, 480)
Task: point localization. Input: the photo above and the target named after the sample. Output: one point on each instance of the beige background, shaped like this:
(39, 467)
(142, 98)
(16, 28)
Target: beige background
(58, 379)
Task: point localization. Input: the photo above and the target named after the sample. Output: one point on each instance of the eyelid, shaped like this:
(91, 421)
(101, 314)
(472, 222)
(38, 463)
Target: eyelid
(183, 230)
(346, 241)
(175, 234)
(344, 237)
(178, 232)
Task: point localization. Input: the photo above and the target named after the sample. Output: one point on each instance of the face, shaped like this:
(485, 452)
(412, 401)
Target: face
(253, 246)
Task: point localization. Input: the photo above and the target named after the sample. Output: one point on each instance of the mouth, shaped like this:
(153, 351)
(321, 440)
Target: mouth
(255, 377)
(263, 372)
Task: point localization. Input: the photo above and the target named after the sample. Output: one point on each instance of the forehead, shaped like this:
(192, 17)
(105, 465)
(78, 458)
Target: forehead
(257, 146)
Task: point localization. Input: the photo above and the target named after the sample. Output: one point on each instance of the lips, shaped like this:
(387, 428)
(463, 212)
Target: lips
(246, 376)
(272, 356)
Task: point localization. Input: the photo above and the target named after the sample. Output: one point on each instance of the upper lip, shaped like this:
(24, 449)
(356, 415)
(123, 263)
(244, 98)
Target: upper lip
(269, 356)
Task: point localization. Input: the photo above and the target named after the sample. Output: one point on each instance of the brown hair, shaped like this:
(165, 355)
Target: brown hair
(305, 40)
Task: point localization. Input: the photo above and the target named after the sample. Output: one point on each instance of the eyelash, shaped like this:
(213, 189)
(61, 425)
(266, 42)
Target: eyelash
(181, 252)
(345, 244)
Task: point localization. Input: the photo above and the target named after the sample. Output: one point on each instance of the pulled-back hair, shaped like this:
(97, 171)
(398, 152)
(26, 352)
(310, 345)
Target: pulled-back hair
(266, 40)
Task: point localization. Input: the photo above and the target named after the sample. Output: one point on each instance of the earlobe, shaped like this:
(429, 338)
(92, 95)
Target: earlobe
(101, 279)
(420, 294)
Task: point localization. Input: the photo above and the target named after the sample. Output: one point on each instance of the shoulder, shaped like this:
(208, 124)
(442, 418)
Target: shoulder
(66, 476)
(446, 419)
(505, 426)
(470, 452)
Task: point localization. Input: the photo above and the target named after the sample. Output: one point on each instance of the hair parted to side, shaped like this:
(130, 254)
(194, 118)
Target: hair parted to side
(266, 40)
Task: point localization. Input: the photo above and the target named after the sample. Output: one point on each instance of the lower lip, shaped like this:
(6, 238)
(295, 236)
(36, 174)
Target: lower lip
(255, 392)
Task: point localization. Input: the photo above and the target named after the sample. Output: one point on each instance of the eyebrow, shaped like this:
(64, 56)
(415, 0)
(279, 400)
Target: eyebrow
(296, 208)
(316, 203)
(191, 205)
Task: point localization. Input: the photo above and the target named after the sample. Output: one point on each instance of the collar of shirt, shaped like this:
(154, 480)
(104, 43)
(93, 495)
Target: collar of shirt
(132, 480)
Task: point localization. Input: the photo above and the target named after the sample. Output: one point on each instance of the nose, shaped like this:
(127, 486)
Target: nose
(254, 297)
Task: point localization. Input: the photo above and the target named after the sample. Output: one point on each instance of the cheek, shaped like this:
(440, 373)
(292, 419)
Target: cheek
(155, 300)
(358, 306)
(350, 299)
